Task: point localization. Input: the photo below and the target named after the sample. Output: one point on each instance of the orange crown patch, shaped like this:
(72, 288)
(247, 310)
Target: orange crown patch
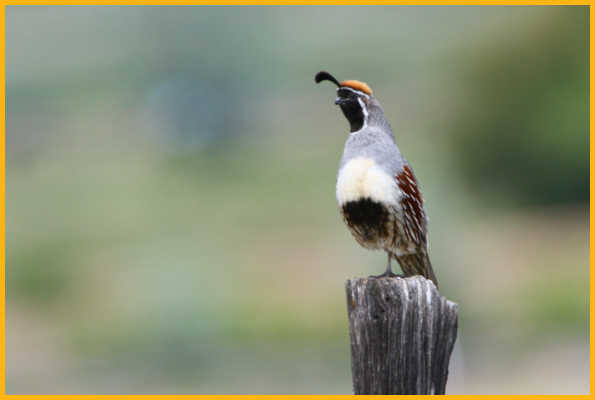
(357, 85)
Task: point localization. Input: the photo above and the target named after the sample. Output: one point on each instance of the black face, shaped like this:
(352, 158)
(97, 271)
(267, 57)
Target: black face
(352, 109)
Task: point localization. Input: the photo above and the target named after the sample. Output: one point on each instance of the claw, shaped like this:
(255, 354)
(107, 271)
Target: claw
(386, 275)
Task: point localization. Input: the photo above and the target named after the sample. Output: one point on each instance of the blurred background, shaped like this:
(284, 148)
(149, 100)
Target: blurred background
(171, 223)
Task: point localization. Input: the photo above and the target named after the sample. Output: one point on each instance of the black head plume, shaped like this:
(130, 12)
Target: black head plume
(325, 76)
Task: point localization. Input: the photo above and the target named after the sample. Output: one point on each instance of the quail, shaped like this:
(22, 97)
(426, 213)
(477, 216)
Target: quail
(377, 191)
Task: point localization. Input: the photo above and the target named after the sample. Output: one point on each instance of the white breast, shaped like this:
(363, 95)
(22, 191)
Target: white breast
(363, 178)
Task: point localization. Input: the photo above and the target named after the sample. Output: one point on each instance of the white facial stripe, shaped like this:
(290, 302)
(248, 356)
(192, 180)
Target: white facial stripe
(365, 111)
(358, 92)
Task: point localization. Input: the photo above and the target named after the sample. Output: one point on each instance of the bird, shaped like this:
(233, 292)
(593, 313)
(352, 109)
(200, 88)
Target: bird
(377, 191)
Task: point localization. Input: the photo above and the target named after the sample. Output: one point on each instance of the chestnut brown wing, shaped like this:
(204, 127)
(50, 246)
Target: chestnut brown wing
(414, 223)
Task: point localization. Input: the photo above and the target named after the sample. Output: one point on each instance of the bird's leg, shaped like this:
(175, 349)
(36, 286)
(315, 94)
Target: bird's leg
(389, 273)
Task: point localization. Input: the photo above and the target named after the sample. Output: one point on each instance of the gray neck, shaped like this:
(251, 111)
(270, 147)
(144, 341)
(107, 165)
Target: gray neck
(376, 118)
(375, 141)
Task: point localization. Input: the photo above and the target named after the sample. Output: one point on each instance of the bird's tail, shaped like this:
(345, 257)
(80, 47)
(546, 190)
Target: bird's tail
(417, 264)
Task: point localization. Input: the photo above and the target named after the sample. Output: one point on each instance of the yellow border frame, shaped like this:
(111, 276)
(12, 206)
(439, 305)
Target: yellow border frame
(4, 3)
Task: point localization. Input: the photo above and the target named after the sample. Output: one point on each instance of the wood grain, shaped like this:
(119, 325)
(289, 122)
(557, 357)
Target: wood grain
(402, 334)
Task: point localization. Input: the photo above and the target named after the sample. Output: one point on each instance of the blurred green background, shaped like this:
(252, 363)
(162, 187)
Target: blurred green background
(171, 225)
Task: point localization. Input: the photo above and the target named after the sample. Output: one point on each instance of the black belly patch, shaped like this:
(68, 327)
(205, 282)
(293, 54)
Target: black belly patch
(367, 217)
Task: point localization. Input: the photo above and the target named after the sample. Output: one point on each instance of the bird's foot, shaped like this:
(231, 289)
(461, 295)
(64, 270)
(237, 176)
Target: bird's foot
(387, 274)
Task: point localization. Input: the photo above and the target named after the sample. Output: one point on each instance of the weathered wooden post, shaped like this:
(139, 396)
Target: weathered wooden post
(402, 334)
